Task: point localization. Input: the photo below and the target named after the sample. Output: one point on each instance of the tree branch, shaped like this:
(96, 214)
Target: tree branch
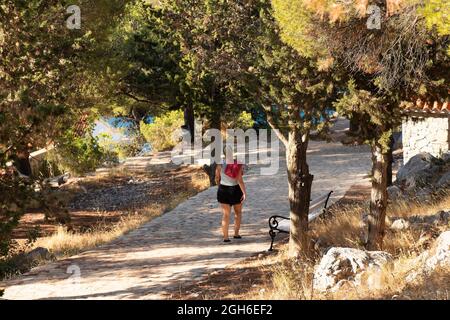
(274, 127)
(137, 99)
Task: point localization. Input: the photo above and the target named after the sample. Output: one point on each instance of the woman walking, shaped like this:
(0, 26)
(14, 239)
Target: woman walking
(231, 192)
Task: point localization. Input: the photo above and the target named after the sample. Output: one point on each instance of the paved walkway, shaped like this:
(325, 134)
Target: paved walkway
(185, 243)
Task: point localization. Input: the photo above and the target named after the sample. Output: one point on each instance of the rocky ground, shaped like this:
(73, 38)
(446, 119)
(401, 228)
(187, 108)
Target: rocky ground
(105, 198)
(422, 178)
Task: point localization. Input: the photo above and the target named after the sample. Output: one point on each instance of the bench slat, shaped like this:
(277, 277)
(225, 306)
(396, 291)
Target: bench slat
(283, 224)
(316, 206)
(315, 210)
(319, 199)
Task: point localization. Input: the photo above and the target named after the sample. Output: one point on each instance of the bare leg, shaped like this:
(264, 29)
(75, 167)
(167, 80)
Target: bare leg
(237, 218)
(226, 209)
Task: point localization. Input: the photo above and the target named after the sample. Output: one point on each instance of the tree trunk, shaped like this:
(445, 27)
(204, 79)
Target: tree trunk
(390, 160)
(22, 163)
(300, 181)
(379, 197)
(355, 122)
(215, 123)
(211, 172)
(189, 120)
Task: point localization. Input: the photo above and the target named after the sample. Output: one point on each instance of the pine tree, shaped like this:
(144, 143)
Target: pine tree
(387, 64)
(295, 96)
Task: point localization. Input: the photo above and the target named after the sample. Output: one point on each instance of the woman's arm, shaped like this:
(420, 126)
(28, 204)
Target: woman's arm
(241, 183)
(217, 175)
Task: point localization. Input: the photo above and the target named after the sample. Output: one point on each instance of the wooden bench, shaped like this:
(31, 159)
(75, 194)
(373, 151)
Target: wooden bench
(280, 224)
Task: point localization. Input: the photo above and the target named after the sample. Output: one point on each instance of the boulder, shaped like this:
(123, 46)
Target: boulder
(39, 254)
(437, 257)
(394, 192)
(342, 265)
(444, 181)
(444, 215)
(446, 157)
(424, 194)
(26, 261)
(400, 224)
(56, 182)
(418, 171)
(439, 254)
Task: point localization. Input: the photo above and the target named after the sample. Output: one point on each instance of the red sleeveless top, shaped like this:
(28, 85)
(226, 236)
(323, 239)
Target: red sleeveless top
(232, 170)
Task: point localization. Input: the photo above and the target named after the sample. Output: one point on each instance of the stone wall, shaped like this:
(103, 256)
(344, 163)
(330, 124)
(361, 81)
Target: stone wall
(425, 134)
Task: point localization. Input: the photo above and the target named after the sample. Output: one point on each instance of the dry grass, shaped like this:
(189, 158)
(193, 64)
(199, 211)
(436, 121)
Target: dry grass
(345, 227)
(293, 279)
(275, 276)
(65, 243)
(200, 181)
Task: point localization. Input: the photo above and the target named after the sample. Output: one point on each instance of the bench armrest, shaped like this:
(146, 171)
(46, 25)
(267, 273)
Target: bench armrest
(273, 222)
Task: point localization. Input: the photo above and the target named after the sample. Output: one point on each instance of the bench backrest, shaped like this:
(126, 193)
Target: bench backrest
(317, 206)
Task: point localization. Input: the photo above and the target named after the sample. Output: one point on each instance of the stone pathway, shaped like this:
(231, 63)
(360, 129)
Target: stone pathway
(185, 243)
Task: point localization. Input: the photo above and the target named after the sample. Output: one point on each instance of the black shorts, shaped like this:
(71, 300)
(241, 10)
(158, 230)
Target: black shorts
(229, 194)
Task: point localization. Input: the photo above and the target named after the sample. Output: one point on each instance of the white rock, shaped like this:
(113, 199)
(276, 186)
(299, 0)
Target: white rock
(400, 224)
(439, 255)
(418, 171)
(342, 265)
(428, 261)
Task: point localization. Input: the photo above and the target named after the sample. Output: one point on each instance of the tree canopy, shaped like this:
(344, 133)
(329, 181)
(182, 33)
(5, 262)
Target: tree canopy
(397, 59)
(46, 73)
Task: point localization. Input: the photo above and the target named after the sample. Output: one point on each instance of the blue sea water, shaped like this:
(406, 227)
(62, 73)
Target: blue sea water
(119, 128)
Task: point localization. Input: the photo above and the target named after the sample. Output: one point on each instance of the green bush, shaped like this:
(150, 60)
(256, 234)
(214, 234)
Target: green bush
(13, 194)
(122, 149)
(160, 133)
(79, 155)
(48, 167)
(244, 121)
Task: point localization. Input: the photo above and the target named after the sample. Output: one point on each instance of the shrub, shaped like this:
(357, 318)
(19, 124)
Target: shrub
(161, 134)
(244, 121)
(13, 192)
(119, 149)
(79, 155)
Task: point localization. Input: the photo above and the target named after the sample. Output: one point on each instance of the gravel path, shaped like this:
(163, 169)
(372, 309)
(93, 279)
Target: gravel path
(185, 243)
